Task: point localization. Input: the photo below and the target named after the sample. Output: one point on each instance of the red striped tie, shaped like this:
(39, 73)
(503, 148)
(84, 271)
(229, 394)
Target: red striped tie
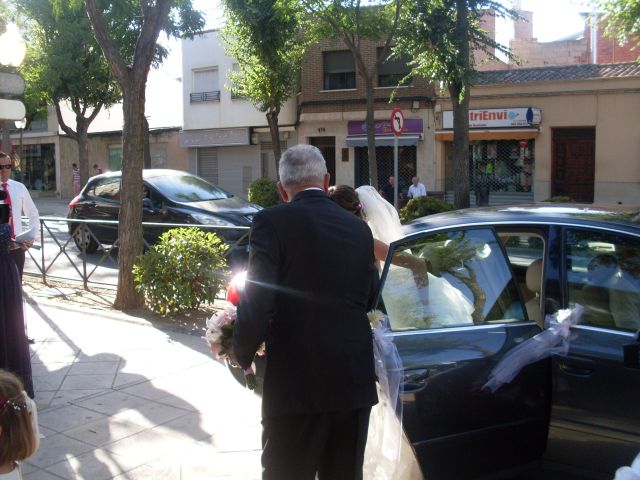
(5, 187)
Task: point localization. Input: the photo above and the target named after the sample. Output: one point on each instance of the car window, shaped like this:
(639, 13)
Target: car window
(603, 273)
(106, 189)
(450, 279)
(187, 188)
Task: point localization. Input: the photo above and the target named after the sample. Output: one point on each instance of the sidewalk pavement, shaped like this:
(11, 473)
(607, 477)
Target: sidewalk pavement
(119, 398)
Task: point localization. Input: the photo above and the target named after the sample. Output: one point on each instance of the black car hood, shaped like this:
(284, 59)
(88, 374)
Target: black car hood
(228, 206)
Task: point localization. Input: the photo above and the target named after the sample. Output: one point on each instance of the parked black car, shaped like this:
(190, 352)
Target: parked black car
(171, 196)
(494, 273)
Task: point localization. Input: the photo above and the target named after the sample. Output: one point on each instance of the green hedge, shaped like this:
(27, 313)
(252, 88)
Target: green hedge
(184, 269)
(421, 206)
(559, 200)
(264, 192)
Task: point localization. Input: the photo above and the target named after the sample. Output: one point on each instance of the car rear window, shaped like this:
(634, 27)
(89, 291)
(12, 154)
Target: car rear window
(187, 188)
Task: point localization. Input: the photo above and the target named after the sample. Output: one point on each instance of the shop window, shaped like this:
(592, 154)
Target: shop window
(37, 167)
(384, 158)
(501, 166)
(393, 72)
(339, 70)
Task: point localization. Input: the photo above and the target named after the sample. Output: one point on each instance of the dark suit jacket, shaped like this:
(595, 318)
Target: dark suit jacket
(311, 279)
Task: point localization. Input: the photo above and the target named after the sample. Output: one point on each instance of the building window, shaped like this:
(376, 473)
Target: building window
(392, 72)
(205, 86)
(339, 70)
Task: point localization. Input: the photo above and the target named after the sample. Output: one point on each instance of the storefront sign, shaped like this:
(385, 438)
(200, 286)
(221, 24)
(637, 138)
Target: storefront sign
(383, 127)
(497, 118)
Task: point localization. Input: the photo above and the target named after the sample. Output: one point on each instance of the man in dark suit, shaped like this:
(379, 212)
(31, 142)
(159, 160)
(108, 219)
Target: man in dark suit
(311, 279)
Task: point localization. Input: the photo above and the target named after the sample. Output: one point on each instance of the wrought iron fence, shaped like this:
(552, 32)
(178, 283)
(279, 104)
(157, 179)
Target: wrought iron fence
(81, 229)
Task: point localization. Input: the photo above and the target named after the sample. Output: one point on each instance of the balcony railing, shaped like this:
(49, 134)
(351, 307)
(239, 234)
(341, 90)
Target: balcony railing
(213, 96)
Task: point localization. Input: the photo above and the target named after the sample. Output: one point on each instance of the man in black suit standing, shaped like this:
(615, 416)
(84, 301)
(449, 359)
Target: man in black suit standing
(311, 279)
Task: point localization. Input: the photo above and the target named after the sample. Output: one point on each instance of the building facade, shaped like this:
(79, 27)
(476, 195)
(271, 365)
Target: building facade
(550, 131)
(226, 137)
(332, 106)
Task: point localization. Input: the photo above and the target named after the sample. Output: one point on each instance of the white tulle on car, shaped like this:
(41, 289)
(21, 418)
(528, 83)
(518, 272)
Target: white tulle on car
(388, 454)
(554, 340)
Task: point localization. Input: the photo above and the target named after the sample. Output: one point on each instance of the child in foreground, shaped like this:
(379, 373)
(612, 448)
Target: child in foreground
(19, 436)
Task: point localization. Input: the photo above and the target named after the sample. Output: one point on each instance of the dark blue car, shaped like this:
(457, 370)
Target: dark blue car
(494, 274)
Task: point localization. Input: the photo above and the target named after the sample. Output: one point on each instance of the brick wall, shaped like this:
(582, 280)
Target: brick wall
(314, 99)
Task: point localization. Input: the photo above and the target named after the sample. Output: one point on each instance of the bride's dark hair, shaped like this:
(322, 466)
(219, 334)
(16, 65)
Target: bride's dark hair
(347, 198)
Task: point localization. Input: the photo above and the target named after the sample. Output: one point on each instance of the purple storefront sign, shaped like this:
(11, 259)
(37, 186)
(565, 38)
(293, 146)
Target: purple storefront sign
(383, 127)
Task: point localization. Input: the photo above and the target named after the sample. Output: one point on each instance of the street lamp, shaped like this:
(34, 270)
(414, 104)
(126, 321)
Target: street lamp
(12, 46)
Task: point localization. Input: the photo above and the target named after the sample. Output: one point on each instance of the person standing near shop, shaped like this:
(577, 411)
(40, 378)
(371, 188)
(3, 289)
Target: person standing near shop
(18, 198)
(387, 191)
(416, 189)
(75, 178)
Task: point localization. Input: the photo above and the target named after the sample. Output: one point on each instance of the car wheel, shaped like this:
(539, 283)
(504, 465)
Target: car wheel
(83, 239)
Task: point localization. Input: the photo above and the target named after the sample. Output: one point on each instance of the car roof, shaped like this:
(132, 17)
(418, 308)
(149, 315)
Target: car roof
(147, 173)
(623, 217)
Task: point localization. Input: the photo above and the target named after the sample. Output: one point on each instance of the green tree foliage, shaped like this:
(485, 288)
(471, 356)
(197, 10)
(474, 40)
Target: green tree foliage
(621, 19)
(354, 23)
(441, 36)
(264, 192)
(268, 39)
(183, 270)
(65, 64)
(127, 32)
(421, 206)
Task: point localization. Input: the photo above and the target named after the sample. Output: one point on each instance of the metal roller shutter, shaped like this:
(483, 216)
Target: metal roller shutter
(208, 164)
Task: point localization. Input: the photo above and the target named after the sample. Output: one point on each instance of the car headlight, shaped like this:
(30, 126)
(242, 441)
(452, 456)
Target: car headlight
(210, 220)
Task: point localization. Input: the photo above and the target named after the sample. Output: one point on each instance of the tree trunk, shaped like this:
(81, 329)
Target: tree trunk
(460, 147)
(371, 132)
(82, 138)
(460, 95)
(130, 220)
(272, 120)
(147, 146)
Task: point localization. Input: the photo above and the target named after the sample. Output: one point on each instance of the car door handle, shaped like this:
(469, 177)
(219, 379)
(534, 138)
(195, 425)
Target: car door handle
(579, 367)
(415, 379)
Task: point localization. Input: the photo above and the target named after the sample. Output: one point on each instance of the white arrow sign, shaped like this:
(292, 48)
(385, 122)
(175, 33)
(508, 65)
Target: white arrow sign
(11, 109)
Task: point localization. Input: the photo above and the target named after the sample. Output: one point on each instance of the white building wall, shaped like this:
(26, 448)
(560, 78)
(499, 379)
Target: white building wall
(206, 51)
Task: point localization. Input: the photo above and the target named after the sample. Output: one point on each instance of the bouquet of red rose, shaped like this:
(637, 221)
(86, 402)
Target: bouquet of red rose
(219, 334)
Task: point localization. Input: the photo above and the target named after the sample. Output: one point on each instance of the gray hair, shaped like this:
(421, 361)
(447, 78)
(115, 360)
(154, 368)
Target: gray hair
(302, 164)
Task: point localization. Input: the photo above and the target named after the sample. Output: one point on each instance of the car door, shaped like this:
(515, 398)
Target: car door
(595, 423)
(102, 203)
(451, 327)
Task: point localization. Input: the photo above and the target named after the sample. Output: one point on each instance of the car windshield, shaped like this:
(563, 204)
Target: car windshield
(187, 188)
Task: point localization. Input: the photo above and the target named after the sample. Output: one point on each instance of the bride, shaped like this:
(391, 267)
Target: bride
(388, 454)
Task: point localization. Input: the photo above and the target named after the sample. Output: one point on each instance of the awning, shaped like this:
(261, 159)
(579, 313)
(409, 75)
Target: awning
(383, 140)
(497, 134)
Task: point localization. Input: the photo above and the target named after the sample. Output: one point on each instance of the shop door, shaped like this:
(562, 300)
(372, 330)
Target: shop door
(573, 167)
(327, 146)
(208, 164)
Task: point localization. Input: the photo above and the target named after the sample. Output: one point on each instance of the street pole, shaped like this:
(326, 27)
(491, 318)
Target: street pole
(395, 171)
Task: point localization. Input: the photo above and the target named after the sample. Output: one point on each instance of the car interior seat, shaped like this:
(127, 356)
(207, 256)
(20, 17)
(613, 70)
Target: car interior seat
(594, 296)
(534, 284)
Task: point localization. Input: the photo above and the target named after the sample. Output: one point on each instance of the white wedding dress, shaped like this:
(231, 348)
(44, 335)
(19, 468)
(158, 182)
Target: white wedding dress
(389, 454)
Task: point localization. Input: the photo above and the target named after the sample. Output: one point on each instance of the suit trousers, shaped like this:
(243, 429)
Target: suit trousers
(18, 256)
(330, 444)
